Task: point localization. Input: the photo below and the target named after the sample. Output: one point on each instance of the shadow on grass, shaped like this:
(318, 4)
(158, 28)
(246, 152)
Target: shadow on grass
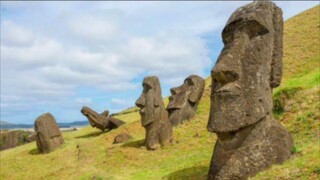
(134, 144)
(193, 173)
(34, 151)
(95, 134)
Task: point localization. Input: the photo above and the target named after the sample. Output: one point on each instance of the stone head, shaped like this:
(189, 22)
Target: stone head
(150, 102)
(184, 99)
(47, 132)
(249, 66)
(91, 114)
(46, 125)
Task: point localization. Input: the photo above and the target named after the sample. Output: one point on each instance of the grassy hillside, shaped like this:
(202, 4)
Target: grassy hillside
(90, 154)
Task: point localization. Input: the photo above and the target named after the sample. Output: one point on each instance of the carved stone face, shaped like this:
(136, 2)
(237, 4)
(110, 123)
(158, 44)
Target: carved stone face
(154, 117)
(89, 113)
(184, 99)
(247, 69)
(150, 100)
(95, 119)
(48, 133)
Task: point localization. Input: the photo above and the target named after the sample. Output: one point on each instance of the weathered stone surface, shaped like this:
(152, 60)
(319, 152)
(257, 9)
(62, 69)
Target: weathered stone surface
(154, 117)
(184, 100)
(101, 121)
(48, 133)
(121, 138)
(15, 138)
(249, 66)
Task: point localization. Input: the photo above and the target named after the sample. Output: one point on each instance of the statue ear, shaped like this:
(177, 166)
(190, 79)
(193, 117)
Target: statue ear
(194, 95)
(157, 100)
(157, 93)
(276, 64)
(105, 113)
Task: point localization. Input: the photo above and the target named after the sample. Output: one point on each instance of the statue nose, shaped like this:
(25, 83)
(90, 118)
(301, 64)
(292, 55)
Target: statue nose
(229, 64)
(226, 70)
(174, 91)
(225, 76)
(140, 101)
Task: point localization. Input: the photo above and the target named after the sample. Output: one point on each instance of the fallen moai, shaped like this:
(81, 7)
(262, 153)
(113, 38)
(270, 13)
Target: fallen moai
(184, 100)
(154, 117)
(101, 121)
(249, 66)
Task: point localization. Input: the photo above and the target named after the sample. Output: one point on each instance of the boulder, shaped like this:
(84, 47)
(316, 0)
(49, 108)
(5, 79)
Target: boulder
(121, 138)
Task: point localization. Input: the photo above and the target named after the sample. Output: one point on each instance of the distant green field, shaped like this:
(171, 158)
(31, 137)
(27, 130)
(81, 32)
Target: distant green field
(90, 154)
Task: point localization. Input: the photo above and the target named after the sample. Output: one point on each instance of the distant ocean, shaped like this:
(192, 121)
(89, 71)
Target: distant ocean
(28, 126)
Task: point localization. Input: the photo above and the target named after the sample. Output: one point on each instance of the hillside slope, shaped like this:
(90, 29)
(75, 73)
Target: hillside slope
(90, 154)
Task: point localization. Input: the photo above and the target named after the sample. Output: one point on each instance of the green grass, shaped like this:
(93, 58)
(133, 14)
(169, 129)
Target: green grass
(302, 44)
(90, 154)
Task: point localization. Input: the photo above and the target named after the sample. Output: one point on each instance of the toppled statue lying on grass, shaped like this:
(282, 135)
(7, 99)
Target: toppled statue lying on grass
(101, 121)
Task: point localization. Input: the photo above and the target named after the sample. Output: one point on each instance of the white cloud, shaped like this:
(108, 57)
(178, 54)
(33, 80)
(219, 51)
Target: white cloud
(121, 103)
(92, 28)
(42, 52)
(83, 100)
(15, 35)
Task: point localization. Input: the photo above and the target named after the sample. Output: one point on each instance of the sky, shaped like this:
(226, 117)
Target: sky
(59, 56)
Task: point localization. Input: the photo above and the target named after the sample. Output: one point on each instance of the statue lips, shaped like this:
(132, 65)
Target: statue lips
(176, 102)
(230, 89)
(226, 93)
(142, 112)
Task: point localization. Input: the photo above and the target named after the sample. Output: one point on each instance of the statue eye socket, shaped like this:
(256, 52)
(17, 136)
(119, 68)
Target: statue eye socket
(253, 28)
(225, 77)
(146, 88)
(189, 82)
(215, 85)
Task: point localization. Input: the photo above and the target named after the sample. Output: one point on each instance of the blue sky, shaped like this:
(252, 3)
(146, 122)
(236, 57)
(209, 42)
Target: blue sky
(58, 56)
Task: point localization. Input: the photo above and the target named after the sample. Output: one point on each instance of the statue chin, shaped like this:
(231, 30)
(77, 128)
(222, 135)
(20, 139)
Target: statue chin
(174, 116)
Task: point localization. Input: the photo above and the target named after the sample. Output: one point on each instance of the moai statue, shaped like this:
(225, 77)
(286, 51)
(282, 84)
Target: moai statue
(101, 121)
(48, 135)
(184, 100)
(154, 117)
(249, 66)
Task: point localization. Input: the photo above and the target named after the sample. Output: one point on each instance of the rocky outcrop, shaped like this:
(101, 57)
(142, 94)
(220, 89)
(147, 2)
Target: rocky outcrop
(121, 138)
